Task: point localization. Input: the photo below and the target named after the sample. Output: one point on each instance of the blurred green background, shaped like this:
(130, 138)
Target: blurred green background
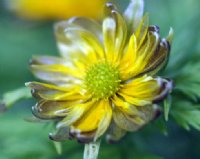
(19, 40)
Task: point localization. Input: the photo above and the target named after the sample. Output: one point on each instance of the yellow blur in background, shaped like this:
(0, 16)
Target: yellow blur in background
(56, 9)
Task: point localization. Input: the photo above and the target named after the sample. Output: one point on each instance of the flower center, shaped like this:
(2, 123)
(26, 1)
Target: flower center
(102, 80)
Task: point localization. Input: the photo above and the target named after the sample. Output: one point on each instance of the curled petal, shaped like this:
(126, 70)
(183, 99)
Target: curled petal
(76, 113)
(145, 90)
(47, 60)
(129, 57)
(142, 30)
(55, 69)
(142, 56)
(78, 23)
(159, 58)
(105, 121)
(114, 32)
(154, 28)
(134, 13)
(114, 133)
(82, 137)
(146, 52)
(61, 134)
(166, 88)
(56, 93)
(134, 122)
(124, 106)
(45, 87)
(51, 109)
(67, 42)
(83, 47)
(99, 117)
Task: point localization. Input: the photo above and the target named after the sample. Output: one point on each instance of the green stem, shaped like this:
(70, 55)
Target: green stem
(91, 150)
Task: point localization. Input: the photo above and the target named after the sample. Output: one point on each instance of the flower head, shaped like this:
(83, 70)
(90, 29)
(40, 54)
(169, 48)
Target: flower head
(56, 9)
(104, 80)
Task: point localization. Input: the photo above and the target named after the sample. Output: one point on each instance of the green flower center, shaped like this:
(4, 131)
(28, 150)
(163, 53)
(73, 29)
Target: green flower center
(102, 80)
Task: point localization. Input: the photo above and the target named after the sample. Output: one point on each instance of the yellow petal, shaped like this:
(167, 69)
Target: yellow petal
(150, 55)
(142, 57)
(56, 93)
(79, 35)
(98, 115)
(105, 121)
(74, 93)
(76, 112)
(56, 72)
(142, 30)
(140, 91)
(124, 106)
(114, 33)
(145, 90)
(129, 58)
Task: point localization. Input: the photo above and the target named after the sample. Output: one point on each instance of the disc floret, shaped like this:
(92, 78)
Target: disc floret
(102, 80)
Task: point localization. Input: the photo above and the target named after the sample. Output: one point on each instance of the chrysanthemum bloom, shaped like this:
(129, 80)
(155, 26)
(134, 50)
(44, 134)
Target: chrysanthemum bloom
(56, 9)
(104, 80)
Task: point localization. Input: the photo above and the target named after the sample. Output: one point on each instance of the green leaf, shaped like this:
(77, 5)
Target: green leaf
(167, 106)
(186, 114)
(12, 97)
(187, 81)
(58, 147)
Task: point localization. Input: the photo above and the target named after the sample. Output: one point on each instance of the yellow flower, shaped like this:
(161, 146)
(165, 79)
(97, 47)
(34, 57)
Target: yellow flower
(104, 80)
(56, 9)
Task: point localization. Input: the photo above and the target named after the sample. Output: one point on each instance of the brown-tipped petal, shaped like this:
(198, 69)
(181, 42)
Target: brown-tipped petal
(154, 28)
(166, 89)
(159, 58)
(51, 109)
(82, 137)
